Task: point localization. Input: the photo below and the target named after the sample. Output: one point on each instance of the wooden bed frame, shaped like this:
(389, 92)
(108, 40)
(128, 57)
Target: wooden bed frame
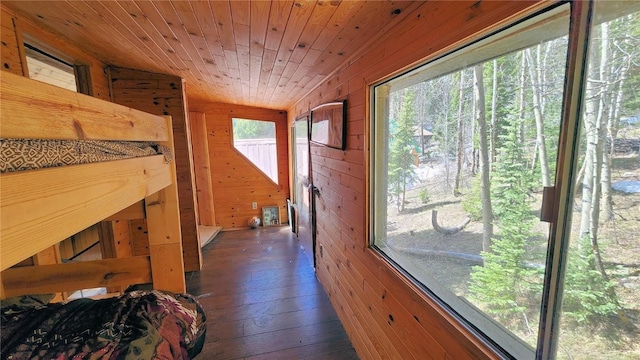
(40, 208)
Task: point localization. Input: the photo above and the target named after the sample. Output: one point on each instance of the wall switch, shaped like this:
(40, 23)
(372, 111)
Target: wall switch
(254, 205)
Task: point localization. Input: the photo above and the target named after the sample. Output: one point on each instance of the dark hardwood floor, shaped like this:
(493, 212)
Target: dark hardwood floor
(263, 301)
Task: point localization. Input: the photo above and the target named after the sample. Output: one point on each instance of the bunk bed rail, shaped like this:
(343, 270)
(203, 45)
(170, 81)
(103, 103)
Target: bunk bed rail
(40, 208)
(34, 110)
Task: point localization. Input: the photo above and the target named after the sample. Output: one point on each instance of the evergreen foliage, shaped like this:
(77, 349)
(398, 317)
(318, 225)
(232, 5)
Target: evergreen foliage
(401, 159)
(586, 294)
(472, 201)
(626, 34)
(504, 283)
(512, 179)
(253, 129)
(424, 196)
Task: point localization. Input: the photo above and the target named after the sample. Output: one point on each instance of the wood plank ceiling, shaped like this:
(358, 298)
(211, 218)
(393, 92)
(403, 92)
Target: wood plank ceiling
(257, 53)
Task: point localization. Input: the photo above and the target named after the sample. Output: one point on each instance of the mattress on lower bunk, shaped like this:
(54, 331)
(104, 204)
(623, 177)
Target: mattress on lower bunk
(136, 325)
(30, 154)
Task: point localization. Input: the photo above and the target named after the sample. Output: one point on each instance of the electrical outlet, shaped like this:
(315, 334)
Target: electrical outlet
(254, 205)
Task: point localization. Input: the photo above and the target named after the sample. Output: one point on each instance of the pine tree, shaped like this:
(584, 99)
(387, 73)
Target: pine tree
(401, 159)
(504, 282)
(586, 294)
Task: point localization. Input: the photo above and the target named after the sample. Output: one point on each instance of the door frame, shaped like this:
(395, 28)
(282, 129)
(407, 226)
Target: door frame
(310, 188)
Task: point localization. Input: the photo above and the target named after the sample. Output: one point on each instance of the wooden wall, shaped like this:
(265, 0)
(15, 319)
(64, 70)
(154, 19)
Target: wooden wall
(385, 315)
(11, 52)
(236, 181)
(165, 95)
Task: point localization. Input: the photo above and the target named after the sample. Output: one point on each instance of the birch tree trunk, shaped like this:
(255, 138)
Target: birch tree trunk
(475, 159)
(493, 139)
(460, 145)
(447, 143)
(487, 211)
(521, 99)
(602, 115)
(605, 182)
(587, 180)
(422, 108)
(536, 74)
(596, 110)
(597, 188)
(612, 129)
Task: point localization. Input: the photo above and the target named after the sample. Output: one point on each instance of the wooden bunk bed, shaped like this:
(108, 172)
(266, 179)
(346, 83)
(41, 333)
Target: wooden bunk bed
(39, 208)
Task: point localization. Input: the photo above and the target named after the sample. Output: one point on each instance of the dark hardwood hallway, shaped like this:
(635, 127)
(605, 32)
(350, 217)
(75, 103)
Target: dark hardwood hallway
(263, 301)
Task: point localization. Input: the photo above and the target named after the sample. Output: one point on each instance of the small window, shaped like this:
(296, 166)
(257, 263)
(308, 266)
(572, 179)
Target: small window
(256, 140)
(50, 69)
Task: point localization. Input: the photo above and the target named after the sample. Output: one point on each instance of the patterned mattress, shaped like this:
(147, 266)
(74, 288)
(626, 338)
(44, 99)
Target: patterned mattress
(29, 154)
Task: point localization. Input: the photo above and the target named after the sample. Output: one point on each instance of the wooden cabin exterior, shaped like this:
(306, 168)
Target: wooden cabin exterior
(161, 63)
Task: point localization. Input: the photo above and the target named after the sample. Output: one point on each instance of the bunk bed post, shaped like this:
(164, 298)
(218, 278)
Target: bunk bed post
(165, 240)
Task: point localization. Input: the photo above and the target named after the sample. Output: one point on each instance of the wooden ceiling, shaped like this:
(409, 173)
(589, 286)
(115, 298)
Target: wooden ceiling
(258, 53)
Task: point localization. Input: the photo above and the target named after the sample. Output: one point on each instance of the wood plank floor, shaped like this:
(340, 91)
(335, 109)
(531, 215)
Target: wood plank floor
(263, 301)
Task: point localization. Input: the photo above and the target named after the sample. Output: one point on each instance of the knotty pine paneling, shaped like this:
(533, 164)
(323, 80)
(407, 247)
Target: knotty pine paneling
(236, 181)
(384, 314)
(139, 237)
(164, 95)
(11, 60)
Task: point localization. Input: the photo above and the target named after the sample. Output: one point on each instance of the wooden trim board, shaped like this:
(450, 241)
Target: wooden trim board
(53, 204)
(46, 279)
(35, 110)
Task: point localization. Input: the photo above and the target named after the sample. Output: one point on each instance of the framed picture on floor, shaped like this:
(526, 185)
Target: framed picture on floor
(270, 216)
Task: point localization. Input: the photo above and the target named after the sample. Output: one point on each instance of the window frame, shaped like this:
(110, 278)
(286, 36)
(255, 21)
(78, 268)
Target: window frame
(54, 62)
(560, 199)
(564, 186)
(275, 137)
(303, 119)
(81, 73)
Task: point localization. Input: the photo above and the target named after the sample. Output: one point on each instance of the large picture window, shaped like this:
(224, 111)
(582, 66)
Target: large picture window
(462, 149)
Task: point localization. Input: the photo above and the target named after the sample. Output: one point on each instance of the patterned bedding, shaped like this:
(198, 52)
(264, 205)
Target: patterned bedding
(136, 325)
(30, 154)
